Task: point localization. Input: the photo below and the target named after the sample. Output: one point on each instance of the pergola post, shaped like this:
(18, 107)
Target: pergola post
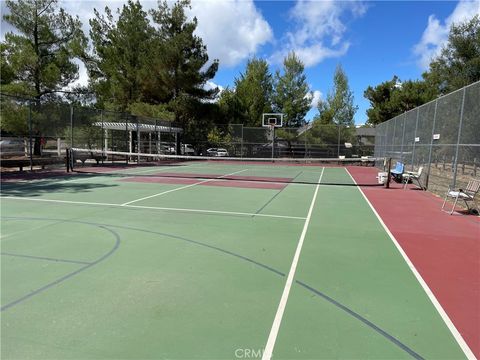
(130, 145)
(105, 139)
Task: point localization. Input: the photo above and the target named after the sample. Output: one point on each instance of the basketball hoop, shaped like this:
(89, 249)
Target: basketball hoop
(270, 120)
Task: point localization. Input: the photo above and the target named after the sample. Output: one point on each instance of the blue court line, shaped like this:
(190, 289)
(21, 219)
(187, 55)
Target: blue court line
(46, 258)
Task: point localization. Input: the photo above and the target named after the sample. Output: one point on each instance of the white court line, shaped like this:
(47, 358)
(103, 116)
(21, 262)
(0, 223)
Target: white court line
(456, 334)
(201, 211)
(272, 337)
(181, 188)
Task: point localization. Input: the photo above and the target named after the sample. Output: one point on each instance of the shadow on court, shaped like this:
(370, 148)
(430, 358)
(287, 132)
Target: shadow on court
(31, 190)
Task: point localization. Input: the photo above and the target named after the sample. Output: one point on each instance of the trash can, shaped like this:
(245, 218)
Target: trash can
(382, 177)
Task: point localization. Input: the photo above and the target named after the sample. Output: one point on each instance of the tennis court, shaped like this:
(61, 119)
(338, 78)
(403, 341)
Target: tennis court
(211, 260)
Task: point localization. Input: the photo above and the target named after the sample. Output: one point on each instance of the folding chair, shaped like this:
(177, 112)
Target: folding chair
(397, 172)
(467, 194)
(412, 176)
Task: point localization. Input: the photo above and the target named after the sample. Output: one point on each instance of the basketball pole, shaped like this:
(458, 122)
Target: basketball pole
(271, 120)
(273, 142)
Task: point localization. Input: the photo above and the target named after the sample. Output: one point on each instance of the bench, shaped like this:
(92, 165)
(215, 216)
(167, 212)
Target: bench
(24, 162)
(84, 156)
(367, 161)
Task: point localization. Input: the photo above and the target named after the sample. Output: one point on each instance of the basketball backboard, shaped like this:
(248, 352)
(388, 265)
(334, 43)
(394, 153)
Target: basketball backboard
(272, 119)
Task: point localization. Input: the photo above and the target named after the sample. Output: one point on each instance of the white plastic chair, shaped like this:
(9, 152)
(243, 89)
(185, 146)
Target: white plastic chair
(408, 176)
(467, 195)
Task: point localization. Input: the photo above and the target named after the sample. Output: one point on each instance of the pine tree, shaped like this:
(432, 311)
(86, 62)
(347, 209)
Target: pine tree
(118, 66)
(254, 90)
(181, 57)
(39, 55)
(338, 109)
(334, 123)
(292, 92)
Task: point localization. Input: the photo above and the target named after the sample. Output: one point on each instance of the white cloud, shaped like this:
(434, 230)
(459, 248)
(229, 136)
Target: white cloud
(435, 35)
(232, 30)
(84, 9)
(314, 54)
(319, 30)
(82, 76)
(316, 97)
(210, 85)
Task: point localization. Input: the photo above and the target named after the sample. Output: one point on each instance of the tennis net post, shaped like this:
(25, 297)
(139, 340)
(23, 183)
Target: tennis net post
(389, 168)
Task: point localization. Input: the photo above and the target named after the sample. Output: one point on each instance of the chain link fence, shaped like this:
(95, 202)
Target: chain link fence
(311, 141)
(41, 132)
(442, 136)
(38, 131)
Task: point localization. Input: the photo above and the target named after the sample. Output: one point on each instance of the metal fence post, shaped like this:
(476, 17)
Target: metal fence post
(30, 129)
(394, 120)
(127, 137)
(403, 135)
(338, 142)
(138, 140)
(71, 126)
(166, 128)
(305, 142)
(241, 142)
(431, 144)
(386, 152)
(414, 137)
(103, 135)
(455, 161)
(156, 138)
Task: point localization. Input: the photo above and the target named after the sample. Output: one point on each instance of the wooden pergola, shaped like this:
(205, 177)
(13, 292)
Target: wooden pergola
(139, 128)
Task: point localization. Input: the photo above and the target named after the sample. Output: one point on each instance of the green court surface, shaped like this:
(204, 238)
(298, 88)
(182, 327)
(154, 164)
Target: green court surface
(106, 266)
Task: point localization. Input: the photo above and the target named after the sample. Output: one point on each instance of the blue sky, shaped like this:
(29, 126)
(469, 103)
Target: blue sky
(382, 43)
(372, 40)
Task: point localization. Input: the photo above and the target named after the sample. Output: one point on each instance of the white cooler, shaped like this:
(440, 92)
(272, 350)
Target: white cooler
(382, 177)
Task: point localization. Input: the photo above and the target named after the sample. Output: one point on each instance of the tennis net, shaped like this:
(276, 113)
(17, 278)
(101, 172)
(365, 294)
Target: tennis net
(183, 169)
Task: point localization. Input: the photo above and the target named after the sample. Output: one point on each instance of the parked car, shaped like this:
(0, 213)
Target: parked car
(12, 147)
(167, 149)
(217, 152)
(212, 152)
(188, 149)
(222, 152)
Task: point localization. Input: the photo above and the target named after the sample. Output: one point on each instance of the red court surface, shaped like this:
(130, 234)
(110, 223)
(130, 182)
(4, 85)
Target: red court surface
(229, 177)
(249, 182)
(445, 249)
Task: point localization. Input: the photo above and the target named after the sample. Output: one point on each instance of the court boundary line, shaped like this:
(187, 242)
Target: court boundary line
(272, 337)
(201, 211)
(180, 188)
(443, 314)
